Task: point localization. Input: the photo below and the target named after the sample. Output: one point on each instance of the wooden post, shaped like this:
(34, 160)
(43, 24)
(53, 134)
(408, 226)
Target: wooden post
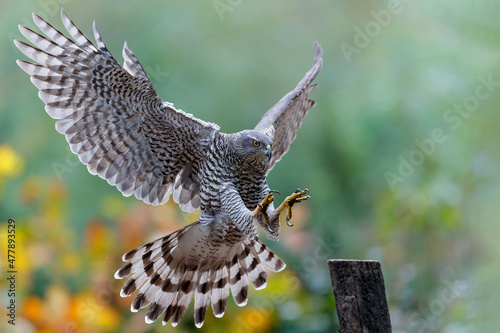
(358, 287)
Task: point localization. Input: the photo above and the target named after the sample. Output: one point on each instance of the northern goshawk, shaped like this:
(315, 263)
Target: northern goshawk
(124, 132)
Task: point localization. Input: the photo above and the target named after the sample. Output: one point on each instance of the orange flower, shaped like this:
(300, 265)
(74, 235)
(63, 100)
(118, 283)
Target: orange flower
(32, 310)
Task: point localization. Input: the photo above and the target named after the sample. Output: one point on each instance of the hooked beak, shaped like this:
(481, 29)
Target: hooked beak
(268, 151)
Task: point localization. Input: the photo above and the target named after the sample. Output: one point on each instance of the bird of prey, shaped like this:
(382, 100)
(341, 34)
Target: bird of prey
(124, 132)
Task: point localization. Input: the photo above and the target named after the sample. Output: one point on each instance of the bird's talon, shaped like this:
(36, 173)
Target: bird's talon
(297, 196)
(303, 198)
(262, 206)
(265, 217)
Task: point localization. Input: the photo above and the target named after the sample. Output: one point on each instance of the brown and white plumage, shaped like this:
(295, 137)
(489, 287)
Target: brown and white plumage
(282, 121)
(124, 132)
(114, 120)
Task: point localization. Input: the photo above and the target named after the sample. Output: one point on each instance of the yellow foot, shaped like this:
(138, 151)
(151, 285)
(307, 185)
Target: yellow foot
(298, 196)
(262, 206)
(262, 209)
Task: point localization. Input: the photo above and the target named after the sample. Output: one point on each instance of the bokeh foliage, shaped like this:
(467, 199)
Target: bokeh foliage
(389, 82)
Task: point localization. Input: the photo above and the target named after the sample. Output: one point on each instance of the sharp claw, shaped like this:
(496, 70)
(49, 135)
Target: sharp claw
(303, 198)
(265, 217)
(298, 196)
(288, 216)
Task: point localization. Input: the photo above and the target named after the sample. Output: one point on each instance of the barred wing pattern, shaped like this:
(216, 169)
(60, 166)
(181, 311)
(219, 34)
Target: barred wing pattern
(282, 121)
(112, 117)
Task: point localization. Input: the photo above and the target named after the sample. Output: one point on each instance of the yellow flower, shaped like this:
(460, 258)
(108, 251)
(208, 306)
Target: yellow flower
(91, 315)
(254, 319)
(71, 261)
(11, 164)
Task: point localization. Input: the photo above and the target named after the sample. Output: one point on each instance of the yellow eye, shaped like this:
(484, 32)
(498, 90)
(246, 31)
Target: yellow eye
(256, 143)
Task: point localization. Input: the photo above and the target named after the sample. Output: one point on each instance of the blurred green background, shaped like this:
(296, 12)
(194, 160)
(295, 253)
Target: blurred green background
(400, 154)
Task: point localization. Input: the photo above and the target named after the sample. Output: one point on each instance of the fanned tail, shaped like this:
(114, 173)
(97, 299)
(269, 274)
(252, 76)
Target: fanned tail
(191, 261)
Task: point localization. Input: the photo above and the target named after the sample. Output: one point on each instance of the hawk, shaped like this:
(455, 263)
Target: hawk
(126, 134)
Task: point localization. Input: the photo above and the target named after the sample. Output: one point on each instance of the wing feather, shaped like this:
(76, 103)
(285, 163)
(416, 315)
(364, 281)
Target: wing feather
(132, 64)
(112, 117)
(282, 121)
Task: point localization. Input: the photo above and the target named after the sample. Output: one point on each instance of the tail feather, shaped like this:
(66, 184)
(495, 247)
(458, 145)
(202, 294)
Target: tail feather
(148, 292)
(152, 292)
(270, 260)
(184, 297)
(150, 261)
(220, 291)
(156, 271)
(241, 287)
(202, 298)
(166, 242)
(170, 270)
(171, 302)
(255, 269)
(164, 298)
(238, 281)
(256, 272)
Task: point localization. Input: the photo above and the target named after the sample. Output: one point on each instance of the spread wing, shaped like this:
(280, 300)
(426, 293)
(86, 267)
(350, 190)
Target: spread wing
(112, 117)
(283, 120)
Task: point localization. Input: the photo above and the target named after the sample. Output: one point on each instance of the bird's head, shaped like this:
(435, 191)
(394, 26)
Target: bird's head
(253, 148)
